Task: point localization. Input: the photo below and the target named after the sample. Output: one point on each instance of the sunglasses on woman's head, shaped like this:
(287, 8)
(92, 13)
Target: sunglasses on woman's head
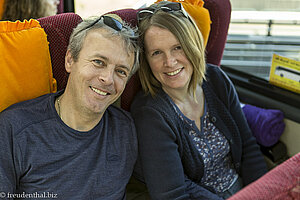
(170, 7)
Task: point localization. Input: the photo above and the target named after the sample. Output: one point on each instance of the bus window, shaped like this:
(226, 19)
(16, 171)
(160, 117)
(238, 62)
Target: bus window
(96, 7)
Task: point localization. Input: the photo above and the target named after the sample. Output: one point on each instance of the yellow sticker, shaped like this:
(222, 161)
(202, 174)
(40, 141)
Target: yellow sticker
(285, 73)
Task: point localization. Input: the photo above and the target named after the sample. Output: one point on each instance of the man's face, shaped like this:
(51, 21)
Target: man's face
(99, 76)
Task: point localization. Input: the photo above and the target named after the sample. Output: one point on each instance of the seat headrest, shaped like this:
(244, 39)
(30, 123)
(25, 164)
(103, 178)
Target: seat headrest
(58, 29)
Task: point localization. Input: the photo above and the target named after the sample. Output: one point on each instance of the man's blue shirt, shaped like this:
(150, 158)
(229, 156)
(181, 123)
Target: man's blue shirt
(39, 154)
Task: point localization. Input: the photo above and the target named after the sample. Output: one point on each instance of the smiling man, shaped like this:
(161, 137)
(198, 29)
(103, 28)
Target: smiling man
(73, 144)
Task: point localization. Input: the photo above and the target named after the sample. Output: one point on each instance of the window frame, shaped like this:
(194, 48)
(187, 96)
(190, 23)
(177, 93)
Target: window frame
(259, 92)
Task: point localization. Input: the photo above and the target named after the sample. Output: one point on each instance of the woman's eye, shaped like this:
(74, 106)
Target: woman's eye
(155, 53)
(122, 72)
(178, 48)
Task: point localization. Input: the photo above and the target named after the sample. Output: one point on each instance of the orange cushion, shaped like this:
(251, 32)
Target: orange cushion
(25, 63)
(198, 13)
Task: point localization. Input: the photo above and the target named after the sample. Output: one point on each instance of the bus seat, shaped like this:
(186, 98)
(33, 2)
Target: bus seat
(133, 85)
(282, 182)
(220, 12)
(58, 29)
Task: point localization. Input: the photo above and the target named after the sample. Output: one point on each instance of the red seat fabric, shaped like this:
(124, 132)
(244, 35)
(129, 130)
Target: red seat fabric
(58, 29)
(60, 7)
(220, 12)
(128, 15)
(281, 183)
(133, 85)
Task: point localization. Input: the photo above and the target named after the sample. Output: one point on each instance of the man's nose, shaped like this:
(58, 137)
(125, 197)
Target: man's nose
(106, 75)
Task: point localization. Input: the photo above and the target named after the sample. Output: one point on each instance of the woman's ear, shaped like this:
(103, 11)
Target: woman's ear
(68, 61)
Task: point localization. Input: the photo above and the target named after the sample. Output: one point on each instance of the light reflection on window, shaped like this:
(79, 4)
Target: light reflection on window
(98, 7)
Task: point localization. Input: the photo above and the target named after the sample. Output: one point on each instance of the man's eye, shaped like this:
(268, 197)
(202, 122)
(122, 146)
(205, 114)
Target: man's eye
(98, 62)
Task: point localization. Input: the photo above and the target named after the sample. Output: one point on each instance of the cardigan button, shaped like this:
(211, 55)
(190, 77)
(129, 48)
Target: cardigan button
(214, 119)
(237, 165)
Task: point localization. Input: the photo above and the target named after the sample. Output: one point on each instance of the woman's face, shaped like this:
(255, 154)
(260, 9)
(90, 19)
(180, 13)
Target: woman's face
(167, 59)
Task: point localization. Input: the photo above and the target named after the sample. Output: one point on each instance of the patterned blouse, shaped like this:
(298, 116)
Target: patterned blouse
(219, 172)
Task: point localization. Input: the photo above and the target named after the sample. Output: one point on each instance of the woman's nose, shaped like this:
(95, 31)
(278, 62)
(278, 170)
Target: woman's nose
(170, 61)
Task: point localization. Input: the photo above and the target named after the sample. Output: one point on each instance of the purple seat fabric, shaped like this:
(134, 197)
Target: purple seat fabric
(267, 125)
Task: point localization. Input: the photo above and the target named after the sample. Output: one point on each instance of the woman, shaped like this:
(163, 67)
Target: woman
(26, 9)
(194, 141)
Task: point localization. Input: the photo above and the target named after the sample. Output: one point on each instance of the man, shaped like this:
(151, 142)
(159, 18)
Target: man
(73, 144)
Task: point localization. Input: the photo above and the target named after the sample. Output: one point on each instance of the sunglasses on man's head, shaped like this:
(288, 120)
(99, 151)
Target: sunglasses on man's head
(170, 7)
(110, 22)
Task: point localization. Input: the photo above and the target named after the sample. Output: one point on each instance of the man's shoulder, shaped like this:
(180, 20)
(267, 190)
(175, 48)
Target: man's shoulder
(25, 112)
(120, 123)
(27, 105)
(118, 113)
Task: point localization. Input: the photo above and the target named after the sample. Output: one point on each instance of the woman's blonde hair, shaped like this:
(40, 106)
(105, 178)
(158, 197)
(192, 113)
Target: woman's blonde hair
(191, 42)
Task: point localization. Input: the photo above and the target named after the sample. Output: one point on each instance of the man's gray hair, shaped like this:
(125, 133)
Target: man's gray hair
(127, 33)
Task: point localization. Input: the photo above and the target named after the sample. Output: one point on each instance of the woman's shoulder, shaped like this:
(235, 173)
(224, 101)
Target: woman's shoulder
(213, 71)
(216, 77)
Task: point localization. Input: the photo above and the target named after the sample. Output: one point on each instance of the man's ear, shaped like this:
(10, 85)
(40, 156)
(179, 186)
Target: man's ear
(68, 61)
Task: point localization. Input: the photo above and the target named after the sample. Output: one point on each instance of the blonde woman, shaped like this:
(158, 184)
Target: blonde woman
(194, 141)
